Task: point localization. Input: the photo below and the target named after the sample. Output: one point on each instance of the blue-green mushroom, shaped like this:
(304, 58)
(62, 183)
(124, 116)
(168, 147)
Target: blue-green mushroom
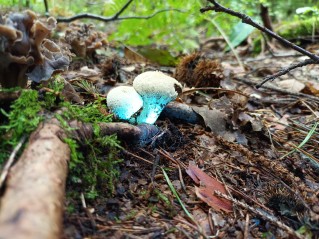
(156, 90)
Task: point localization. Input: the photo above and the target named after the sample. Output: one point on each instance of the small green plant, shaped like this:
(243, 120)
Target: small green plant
(94, 162)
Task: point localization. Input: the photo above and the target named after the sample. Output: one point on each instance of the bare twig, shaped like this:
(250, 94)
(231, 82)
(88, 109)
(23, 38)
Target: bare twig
(123, 9)
(261, 213)
(274, 88)
(246, 231)
(9, 96)
(314, 59)
(246, 19)
(10, 161)
(113, 18)
(284, 71)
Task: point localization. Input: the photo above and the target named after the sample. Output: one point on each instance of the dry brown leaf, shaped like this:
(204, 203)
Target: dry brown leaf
(201, 218)
(208, 186)
(214, 119)
(134, 56)
(291, 85)
(312, 88)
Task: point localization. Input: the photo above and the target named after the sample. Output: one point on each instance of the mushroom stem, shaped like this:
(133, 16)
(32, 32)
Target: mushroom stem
(150, 112)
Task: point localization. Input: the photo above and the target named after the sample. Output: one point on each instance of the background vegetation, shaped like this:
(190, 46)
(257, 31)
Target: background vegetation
(181, 27)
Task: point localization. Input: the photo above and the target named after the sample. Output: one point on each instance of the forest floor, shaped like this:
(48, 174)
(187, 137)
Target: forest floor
(258, 146)
(247, 167)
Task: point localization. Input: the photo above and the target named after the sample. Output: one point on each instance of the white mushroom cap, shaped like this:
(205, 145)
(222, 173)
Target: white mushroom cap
(156, 90)
(123, 102)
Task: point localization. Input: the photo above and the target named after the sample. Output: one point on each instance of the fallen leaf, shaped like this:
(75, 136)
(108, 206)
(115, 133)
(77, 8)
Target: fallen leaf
(158, 56)
(208, 186)
(291, 85)
(214, 119)
(134, 56)
(202, 219)
(312, 88)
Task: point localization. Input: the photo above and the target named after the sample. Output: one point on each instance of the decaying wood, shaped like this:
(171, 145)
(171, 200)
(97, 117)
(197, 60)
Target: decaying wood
(9, 96)
(32, 204)
(131, 134)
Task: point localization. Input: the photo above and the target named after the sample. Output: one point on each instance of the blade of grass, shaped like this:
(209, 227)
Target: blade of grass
(306, 139)
(224, 35)
(176, 195)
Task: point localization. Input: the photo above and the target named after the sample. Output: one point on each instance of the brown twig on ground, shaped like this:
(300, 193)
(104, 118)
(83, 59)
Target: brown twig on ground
(9, 96)
(10, 161)
(274, 88)
(284, 71)
(314, 59)
(32, 204)
(259, 212)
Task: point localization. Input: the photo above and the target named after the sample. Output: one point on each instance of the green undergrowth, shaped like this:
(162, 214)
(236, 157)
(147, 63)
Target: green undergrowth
(93, 165)
(22, 119)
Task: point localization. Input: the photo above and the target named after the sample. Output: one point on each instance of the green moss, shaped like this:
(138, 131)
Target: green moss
(297, 28)
(94, 163)
(95, 170)
(22, 119)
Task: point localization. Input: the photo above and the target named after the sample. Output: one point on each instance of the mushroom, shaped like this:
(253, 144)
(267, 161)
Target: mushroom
(25, 52)
(124, 102)
(156, 90)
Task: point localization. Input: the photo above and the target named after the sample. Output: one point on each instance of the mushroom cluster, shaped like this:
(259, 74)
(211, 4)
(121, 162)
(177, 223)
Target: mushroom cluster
(144, 102)
(84, 39)
(25, 52)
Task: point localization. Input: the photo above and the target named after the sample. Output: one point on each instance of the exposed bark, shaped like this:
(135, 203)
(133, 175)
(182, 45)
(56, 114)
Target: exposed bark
(32, 204)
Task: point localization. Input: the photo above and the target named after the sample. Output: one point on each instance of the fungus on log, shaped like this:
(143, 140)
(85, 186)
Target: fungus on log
(25, 52)
(32, 204)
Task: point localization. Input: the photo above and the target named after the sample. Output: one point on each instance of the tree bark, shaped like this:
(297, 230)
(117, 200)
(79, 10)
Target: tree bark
(32, 204)
(264, 14)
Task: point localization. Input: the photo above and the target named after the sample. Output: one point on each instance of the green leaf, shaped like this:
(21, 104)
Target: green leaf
(239, 33)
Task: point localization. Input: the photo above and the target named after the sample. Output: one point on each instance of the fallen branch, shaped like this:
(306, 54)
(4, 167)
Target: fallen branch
(130, 134)
(32, 204)
(297, 95)
(10, 161)
(9, 96)
(284, 71)
(113, 18)
(267, 216)
(314, 59)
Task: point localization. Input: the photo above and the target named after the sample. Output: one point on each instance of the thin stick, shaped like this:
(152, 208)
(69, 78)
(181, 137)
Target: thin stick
(286, 92)
(267, 216)
(213, 88)
(284, 71)
(314, 59)
(246, 227)
(246, 19)
(113, 18)
(137, 157)
(10, 161)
